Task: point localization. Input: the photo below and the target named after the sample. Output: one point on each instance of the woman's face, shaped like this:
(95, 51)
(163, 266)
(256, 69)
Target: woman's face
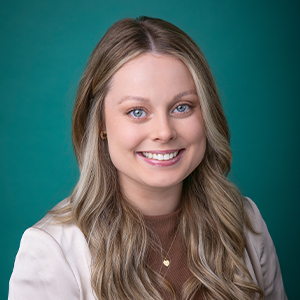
(154, 125)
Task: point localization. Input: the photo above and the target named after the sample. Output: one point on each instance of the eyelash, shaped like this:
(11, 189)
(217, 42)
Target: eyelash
(130, 112)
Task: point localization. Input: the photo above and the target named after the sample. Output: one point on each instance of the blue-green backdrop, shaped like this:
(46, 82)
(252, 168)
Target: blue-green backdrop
(253, 50)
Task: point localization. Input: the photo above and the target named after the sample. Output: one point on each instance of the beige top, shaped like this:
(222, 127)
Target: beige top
(53, 262)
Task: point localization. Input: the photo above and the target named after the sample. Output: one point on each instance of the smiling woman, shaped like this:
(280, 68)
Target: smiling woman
(153, 215)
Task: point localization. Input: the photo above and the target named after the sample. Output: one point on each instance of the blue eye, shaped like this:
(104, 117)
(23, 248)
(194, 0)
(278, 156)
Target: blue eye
(182, 108)
(138, 113)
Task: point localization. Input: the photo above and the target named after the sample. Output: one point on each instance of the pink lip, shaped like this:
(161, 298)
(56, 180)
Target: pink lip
(161, 163)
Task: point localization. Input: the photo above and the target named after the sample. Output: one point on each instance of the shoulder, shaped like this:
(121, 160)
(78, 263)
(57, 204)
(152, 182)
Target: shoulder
(254, 214)
(260, 255)
(66, 235)
(52, 262)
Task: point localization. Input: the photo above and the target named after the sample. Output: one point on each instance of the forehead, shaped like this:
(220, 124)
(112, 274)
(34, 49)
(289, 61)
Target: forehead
(151, 74)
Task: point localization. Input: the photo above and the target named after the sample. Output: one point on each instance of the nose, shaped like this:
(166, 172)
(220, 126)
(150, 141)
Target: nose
(163, 129)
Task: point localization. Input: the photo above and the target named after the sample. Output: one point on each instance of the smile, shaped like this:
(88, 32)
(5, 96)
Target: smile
(160, 156)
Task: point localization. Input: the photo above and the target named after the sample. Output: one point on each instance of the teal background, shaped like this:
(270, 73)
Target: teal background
(253, 50)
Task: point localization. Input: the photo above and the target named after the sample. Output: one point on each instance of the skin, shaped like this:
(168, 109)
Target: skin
(152, 107)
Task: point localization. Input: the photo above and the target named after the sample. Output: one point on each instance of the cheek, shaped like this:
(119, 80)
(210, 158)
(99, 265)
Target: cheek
(196, 132)
(197, 139)
(199, 150)
(123, 139)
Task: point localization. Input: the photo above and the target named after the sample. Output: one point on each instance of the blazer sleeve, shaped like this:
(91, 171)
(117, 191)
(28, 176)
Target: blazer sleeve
(41, 270)
(264, 258)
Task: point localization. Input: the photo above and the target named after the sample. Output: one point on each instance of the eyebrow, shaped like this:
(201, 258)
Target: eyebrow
(136, 98)
(142, 99)
(180, 95)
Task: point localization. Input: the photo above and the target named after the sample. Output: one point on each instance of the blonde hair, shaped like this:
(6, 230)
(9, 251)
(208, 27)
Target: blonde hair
(213, 216)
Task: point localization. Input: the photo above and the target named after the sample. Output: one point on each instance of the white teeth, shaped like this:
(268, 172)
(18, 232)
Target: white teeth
(159, 156)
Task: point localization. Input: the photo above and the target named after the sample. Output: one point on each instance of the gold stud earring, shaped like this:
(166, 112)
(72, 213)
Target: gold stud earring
(103, 135)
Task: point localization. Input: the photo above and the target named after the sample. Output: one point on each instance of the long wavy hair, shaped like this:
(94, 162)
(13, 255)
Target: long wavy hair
(213, 217)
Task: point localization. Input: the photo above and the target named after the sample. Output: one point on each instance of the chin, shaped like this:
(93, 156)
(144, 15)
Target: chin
(163, 184)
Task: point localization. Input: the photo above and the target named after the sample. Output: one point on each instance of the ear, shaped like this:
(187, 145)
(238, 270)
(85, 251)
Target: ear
(103, 135)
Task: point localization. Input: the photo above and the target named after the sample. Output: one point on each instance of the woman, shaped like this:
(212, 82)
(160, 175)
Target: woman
(153, 215)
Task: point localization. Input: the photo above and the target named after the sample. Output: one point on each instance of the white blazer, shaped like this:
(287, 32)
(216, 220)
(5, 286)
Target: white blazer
(53, 262)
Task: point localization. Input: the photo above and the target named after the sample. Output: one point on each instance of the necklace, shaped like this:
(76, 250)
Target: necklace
(166, 261)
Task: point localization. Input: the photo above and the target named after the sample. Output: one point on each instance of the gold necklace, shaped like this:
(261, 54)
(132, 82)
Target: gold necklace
(166, 261)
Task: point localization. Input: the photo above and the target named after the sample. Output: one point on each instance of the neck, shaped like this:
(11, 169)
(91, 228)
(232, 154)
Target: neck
(153, 201)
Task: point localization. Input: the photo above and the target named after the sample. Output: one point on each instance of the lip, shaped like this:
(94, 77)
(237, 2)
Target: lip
(162, 163)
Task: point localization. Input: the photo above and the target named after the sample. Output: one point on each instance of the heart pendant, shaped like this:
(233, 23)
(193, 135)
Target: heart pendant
(166, 262)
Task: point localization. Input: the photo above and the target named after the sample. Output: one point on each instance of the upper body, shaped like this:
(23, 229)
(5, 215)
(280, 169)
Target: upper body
(53, 261)
(151, 138)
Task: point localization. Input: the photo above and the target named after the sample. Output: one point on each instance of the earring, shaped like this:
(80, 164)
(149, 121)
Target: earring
(103, 135)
